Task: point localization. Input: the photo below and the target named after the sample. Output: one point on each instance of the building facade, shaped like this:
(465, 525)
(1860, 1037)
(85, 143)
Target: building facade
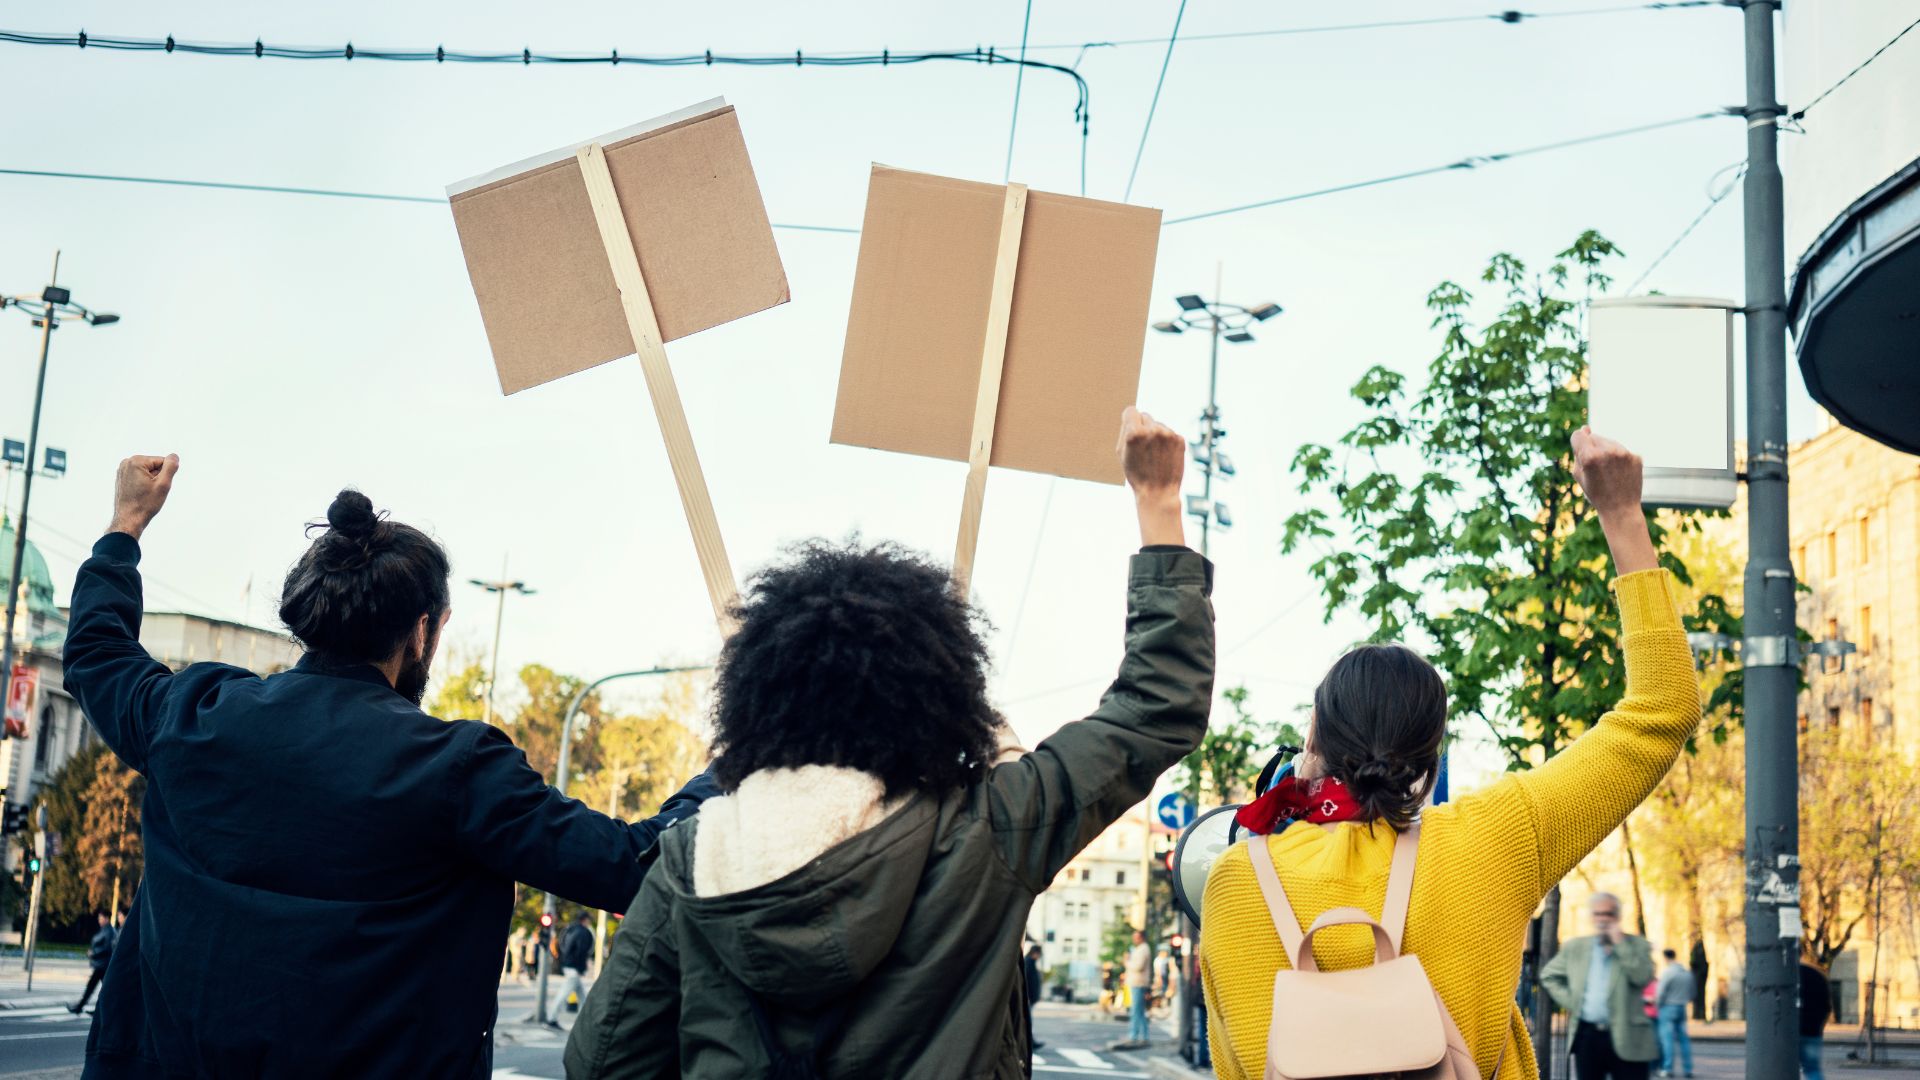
(1103, 885)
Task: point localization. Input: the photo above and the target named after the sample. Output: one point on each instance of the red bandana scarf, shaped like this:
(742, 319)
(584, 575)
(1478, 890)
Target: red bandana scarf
(1292, 799)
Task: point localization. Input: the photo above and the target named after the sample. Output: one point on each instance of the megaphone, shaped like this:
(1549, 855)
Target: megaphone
(1200, 847)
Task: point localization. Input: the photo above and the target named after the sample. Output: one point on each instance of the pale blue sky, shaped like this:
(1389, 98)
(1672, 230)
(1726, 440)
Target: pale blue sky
(285, 346)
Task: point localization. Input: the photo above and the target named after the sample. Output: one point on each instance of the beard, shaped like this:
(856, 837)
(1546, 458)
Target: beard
(412, 683)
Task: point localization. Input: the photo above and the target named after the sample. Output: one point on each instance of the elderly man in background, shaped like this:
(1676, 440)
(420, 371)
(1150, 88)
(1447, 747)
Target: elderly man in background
(1599, 979)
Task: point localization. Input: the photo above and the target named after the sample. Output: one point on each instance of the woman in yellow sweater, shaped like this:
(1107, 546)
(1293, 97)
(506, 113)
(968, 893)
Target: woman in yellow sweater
(1484, 861)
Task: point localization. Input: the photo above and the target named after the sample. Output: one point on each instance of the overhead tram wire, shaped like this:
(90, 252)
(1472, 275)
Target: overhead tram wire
(1802, 111)
(1508, 17)
(1713, 199)
(526, 57)
(1019, 79)
(1466, 163)
(1147, 128)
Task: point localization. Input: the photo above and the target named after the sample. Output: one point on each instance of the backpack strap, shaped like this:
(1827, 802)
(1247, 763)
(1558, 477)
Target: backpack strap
(1278, 906)
(1393, 915)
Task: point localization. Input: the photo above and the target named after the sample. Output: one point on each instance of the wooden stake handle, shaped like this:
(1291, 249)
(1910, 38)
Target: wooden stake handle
(638, 305)
(986, 401)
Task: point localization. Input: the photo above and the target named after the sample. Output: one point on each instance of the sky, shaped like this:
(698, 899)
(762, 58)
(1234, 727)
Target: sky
(288, 346)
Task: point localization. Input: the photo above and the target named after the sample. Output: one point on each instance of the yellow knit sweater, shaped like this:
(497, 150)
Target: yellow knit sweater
(1485, 862)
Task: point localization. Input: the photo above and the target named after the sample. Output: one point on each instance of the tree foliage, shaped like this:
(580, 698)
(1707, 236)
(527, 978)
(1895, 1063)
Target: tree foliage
(1455, 519)
(1222, 769)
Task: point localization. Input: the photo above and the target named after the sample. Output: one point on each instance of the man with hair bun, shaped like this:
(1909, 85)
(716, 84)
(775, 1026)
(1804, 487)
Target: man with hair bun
(329, 870)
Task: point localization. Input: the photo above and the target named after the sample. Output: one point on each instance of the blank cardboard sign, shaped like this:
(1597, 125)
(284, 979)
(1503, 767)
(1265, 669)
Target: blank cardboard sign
(911, 369)
(692, 206)
(1660, 383)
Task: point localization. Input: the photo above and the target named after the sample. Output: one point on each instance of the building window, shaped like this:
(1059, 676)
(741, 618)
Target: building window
(1833, 554)
(1866, 716)
(1049, 937)
(43, 739)
(1866, 549)
(1833, 717)
(1803, 723)
(1800, 562)
(1119, 877)
(1865, 630)
(1832, 663)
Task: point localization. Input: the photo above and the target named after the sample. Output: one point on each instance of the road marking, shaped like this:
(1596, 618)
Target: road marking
(42, 1035)
(39, 1011)
(1103, 1070)
(1086, 1059)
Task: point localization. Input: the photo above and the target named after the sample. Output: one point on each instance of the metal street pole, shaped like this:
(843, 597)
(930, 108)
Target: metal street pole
(47, 323)
(1768, 654)
(32, 944)
(1213, 415)
(560, 784)
(493, 667)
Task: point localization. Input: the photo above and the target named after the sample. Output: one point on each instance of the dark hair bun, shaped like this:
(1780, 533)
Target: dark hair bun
(352, 514)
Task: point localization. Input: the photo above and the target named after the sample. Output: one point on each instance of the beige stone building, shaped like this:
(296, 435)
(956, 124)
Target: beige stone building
(1854, 509)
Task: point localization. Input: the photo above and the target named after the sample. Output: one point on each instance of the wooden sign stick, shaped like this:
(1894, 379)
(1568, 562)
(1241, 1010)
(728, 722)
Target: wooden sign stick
(638, 306)
(986, 402)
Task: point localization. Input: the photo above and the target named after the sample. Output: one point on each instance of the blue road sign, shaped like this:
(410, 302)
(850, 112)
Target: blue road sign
(15, 451)
(1174, 810)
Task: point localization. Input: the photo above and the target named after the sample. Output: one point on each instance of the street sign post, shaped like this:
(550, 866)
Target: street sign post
(1174, 810)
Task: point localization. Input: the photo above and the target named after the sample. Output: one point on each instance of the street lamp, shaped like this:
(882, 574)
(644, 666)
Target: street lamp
(560, 784)
(501, 588)
(49, 309)
(1232, 323)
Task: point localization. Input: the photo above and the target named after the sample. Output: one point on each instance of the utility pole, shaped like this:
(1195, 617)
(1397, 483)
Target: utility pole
(560, 783)
(1769, 652)
(500, 589)
(47, 309)
(32, 941)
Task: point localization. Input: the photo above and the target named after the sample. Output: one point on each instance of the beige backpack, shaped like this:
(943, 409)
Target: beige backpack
(1384, 1020)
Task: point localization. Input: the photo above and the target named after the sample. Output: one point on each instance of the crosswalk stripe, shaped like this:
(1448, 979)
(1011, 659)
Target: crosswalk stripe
(42, 1035)
(1104, 1070)
(1086, 1059)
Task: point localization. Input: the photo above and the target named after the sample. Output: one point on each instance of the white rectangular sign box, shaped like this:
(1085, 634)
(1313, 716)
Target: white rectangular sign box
(1660, 382)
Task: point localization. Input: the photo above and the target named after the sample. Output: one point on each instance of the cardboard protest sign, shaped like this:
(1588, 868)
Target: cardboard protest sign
(994, 326)
(615, 247)
(921, 291)
(1684, 433)
(692, 206)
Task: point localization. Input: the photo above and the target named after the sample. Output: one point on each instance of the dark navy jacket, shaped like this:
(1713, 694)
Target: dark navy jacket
(329, 870)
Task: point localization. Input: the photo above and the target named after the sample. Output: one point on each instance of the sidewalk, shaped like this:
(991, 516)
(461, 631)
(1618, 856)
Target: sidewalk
(56, 980)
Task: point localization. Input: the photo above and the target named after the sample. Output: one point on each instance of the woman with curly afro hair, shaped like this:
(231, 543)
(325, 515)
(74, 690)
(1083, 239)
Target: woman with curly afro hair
(854, 904)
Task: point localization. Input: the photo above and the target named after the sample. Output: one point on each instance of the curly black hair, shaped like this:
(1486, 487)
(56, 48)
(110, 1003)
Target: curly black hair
(856, 656)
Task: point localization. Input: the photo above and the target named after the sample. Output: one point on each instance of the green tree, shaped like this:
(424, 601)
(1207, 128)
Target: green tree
(1222, 769)
(107, 851)
(66, 796)
(1117, 938)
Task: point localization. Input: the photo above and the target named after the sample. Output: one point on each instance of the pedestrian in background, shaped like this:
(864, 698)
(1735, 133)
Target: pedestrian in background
(1481, 863)
(1034, 977)
(1672, 997)
(307, 832)
(99, 952)
(1816, 1008)
(847, 907)
(1139, 984)
(576, 956)
(1599, 980)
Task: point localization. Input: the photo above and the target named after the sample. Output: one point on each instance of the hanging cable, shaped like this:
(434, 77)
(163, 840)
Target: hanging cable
(1505, 17)
(1462, 164)
(1019, 78)
(1713, 199)
(527, 57)
(1822, 96)
(1155, 106)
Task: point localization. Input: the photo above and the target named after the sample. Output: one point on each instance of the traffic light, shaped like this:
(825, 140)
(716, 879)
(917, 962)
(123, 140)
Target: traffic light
(16, 820)
(33, 864)
(546, 920)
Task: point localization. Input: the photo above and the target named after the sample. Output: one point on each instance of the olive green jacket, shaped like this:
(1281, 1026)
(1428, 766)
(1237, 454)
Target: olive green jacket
(1565, 977)
(913, 927)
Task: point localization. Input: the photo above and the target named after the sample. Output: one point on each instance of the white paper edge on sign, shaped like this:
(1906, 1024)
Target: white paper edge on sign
(567, 152)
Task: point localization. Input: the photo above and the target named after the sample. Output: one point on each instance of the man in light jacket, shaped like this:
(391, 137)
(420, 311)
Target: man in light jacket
(1139, 981)
(1599, 981)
